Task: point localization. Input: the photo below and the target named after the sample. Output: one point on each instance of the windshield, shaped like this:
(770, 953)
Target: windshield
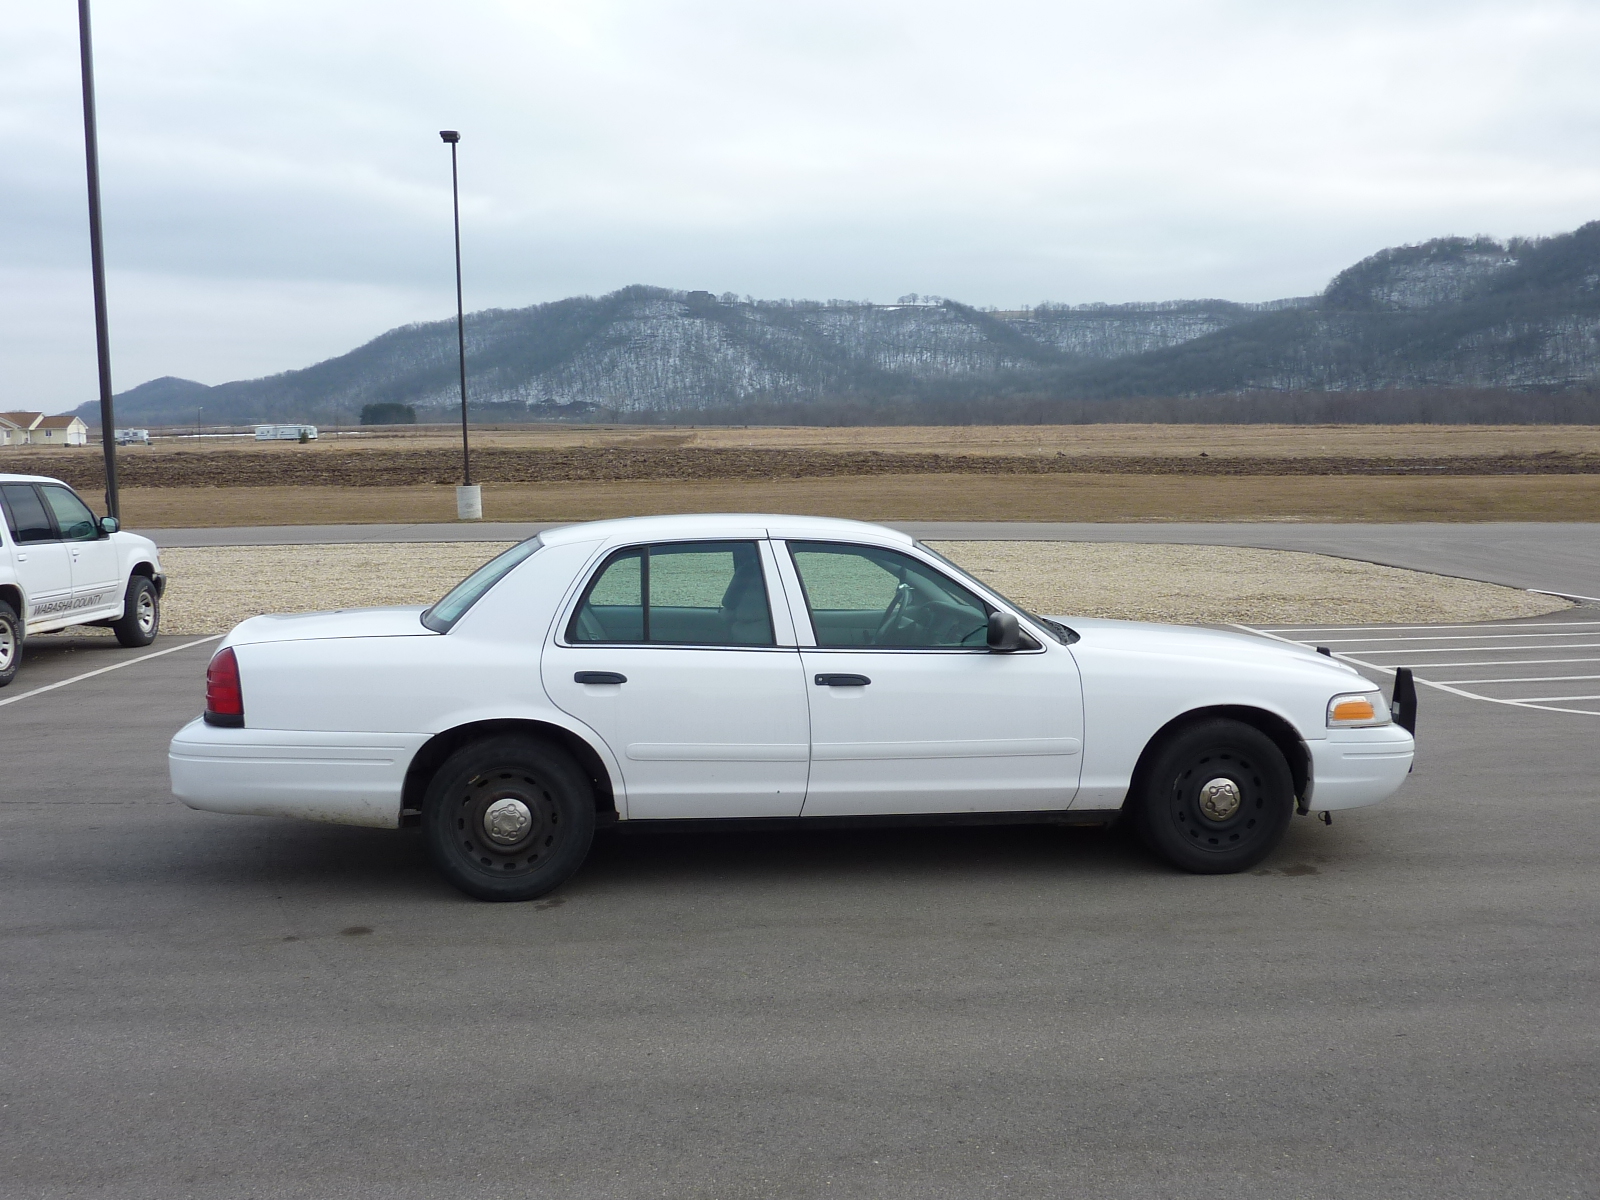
(465, 594)
(1054, 628)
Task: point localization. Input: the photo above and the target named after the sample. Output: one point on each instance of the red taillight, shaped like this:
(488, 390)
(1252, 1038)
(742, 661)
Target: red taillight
(224, 698)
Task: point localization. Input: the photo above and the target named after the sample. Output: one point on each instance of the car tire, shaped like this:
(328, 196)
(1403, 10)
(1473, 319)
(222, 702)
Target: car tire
(1215, 798)
(141, 614)
(10, 643)
(508, 818)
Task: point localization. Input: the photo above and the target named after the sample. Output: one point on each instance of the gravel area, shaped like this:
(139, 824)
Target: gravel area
(1218, 584)
(212, 589)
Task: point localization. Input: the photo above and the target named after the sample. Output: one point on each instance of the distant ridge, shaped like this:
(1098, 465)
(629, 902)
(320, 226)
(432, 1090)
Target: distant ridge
(1453, 313)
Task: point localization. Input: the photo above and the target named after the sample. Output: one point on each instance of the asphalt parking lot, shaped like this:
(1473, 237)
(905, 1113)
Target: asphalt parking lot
(1401, 1004)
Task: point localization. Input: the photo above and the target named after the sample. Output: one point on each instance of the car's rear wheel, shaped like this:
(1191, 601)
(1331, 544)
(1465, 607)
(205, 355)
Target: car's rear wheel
(508, 818)
(1216, 798)
(141, 614)
(10, 643)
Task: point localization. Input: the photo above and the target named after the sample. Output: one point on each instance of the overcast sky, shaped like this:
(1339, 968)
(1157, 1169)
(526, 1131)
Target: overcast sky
(276, 193)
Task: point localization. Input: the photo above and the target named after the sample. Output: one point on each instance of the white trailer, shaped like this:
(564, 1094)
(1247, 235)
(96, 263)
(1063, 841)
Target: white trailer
(285, 433)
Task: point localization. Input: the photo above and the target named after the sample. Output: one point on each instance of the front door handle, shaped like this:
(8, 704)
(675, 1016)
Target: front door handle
(599, 677)
(842, 681)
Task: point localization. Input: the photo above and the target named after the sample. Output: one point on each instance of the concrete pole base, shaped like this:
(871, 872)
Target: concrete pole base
(469, 503)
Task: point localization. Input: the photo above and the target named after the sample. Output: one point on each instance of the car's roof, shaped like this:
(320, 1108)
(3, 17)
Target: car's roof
(709, 525)
(29, 479)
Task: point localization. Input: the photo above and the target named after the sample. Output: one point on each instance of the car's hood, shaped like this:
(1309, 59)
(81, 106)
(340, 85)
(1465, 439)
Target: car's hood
(1191, 641)
(345, 623)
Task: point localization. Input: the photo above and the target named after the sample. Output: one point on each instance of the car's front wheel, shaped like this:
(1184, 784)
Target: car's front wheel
(508, 818)
(10, 643)
(141, 614)
(1216, 798)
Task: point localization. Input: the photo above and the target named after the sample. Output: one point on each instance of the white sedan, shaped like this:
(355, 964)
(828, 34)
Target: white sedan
(768, 670)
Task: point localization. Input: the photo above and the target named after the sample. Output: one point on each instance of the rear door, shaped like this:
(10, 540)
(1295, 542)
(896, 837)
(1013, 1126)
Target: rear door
(676, 654)
(42, 564)
(96, 582)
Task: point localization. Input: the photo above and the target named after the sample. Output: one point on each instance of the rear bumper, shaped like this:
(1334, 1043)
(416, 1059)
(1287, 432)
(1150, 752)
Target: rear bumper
(343, 778)
(1351, 768)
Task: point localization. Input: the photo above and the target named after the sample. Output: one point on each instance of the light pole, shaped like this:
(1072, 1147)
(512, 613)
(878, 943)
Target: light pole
(97, 262)
(469, 499)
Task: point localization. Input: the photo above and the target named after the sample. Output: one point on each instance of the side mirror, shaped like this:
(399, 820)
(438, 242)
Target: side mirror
(1004, 633)
(109, 525)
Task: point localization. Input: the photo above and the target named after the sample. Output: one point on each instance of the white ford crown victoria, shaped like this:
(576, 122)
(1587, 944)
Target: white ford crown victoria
(767, 669)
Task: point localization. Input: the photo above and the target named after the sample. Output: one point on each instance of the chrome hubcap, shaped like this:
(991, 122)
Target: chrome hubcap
(8, 646)
(1220, 799)
(507, 821)
(146, 612)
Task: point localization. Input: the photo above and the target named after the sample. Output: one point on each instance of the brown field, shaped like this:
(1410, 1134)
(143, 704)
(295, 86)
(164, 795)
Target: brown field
(1247, 441)
(1029, 473)
(908, 497)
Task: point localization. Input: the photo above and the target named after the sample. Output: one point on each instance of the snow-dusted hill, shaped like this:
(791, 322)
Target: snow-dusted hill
(1453, 312)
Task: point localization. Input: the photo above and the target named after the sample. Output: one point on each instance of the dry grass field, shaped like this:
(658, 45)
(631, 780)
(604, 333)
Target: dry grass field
(904, 498)
(1027, 473)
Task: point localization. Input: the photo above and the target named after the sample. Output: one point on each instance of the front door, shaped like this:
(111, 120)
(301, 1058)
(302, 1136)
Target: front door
(95, 575)
(673, 657)
(910, 711)
(43, 566)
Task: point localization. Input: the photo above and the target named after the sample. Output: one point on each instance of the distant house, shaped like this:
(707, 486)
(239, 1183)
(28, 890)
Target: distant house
(18, 427)
(60, 431)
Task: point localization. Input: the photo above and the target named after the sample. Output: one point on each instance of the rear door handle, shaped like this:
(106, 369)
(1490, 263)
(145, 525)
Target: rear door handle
(599, 677)
(842, 681)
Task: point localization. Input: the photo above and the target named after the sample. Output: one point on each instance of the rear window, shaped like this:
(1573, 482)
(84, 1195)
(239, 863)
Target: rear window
(470, 590)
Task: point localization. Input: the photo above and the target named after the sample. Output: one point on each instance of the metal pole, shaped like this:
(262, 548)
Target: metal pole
(97, 257)
(461, 321)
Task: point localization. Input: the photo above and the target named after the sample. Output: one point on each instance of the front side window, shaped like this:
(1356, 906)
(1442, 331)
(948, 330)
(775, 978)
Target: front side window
(76, 522)
(868, 596)
(470, 590)
(26, 515)
(682, 594)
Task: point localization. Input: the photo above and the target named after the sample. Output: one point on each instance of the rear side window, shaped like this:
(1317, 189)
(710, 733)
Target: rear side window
(681, 594)
(470, 590)
(73, 517)
(25, 514)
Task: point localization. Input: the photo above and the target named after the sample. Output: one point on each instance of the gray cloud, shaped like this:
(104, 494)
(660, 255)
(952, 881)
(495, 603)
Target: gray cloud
(276, 192)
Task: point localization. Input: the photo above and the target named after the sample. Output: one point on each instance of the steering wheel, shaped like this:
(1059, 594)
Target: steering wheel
(902, 595)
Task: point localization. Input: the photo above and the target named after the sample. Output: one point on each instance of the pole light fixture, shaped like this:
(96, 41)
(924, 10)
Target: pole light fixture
(469, 499)
(97, 262)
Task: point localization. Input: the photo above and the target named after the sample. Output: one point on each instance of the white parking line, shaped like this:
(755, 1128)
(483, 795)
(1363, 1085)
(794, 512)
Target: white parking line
(1486, 649)
(1523, 679)
(117, 666)
(1381, 643)
(1389, 628)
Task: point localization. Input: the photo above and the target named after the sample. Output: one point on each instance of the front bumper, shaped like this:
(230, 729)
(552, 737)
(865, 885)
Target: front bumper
(1351, 768)
(343, 778)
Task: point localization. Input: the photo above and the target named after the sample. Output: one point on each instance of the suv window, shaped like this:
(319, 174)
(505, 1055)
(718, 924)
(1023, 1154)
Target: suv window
(868, 596)
(26, 515)
(73, 518)
(683, 594)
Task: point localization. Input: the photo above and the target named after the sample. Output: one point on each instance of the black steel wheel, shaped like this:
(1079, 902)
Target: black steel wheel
(1216, 798)
(508, 818)
(10, 643)
(141, 614)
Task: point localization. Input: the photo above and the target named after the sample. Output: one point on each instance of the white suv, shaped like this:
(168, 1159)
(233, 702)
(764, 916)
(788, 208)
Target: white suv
(61, 566)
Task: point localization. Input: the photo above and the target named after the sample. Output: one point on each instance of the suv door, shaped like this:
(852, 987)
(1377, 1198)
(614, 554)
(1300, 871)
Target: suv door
(96, 577)
(43, 566)
(672, 654)
(910, 711)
